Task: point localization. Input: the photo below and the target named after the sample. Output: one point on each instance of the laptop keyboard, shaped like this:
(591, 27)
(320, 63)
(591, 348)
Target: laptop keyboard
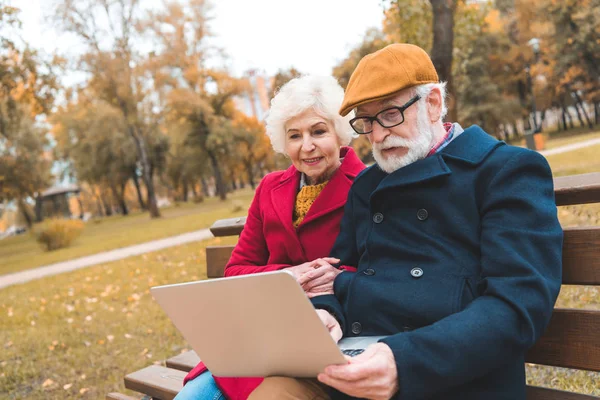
(352, 352)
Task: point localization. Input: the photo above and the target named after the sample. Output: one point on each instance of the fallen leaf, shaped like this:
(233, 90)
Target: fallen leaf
(110, 338)
(8, 344)
(82, 377)
(48, 382)
(67, 386)
(69, 320)
(10, 312)
(83, 390)
(128, 336)
(88, 318)
(32, 323)
(144, 352)
(87, 344)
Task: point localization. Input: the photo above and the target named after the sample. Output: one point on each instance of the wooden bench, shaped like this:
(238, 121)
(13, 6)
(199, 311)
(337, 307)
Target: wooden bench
(572, 339)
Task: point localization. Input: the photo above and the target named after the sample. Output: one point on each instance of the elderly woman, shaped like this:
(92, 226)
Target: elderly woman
(295, 215)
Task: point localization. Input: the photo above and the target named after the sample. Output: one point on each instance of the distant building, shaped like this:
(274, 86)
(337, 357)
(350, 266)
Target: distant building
(255, 101)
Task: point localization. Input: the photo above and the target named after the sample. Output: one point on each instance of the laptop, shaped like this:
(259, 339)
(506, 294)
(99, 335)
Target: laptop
(254, 326)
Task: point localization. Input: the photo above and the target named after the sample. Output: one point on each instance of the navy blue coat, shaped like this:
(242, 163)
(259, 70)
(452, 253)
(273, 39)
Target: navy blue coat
(459, 261)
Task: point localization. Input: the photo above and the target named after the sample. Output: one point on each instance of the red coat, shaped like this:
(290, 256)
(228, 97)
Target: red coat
(270, 242)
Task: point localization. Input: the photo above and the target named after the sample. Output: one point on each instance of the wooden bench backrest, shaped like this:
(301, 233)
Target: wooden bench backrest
(572, 339)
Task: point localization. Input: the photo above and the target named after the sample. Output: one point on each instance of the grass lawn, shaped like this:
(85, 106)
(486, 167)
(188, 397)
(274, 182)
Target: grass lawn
(76, 335)
(22, 252)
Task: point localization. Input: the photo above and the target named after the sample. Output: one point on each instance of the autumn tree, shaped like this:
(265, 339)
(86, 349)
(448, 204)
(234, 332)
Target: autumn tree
(282, 77)
(201, 96)
(27, 89)
(116, 70)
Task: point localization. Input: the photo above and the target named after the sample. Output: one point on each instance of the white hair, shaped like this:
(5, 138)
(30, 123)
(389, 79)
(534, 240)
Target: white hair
(321, 93)
(424, 90)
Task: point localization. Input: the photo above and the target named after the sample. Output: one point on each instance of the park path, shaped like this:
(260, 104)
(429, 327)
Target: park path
(104, 257)
(118, 254)
(570, 147)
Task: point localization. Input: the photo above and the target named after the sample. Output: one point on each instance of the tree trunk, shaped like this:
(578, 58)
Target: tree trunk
(140, 146)
(585, 114)
(564, 118)
(119, 200)
(250, 175)
(107, 207)
(443, 44)
(122, 201)
(597, 113)
(221, 191)
(38, 208)
(23, 208)
(138, 190)
(204, 186)
(581, 123)
(185, 190)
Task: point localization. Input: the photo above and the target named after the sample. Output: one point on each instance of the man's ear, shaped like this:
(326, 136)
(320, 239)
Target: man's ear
(434, 105)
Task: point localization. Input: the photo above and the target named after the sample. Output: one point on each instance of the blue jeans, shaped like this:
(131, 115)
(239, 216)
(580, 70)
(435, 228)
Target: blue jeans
(203, 387)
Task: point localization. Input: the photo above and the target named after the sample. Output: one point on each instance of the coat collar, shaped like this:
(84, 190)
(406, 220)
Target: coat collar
(471, 147)
(333, 196)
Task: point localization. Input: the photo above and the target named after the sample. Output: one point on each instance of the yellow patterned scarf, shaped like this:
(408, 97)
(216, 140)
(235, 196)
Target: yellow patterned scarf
(304, 199)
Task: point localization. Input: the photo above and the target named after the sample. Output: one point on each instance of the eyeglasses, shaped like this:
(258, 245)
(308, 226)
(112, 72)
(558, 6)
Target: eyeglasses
(387, 118)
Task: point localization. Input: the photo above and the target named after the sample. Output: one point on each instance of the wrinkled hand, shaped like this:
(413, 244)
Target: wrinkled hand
(319, 280)
(370, 375)
(332, 325)
(301, 269)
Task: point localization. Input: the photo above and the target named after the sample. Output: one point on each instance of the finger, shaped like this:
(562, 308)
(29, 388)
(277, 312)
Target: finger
(354, 371)
(304, 278)
(325, 281)
(312, 274)
(331, 260)
(355, 389)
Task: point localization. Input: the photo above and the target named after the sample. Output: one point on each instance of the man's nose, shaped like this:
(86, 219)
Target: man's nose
(378, 134)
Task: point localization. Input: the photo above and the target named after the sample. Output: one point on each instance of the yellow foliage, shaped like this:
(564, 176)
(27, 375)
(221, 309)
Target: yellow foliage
(59, 233)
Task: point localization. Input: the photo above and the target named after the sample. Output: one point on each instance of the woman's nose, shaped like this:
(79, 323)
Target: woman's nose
(308, 145)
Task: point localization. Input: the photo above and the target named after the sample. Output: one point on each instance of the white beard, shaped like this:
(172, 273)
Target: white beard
(417, 148)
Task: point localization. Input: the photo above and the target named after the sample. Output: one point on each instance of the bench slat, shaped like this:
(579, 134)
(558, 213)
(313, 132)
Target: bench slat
(539, 393)
(228, 227)
(216, 259)
(571, 341)
(156, 381)
(184, 361)
(577, 189)
(581, 256)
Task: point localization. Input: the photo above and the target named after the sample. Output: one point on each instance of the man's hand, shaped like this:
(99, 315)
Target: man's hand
(319, 280)
(370, 375)
(331, 324)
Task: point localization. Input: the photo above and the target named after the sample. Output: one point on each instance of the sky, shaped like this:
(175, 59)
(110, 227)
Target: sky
(267, 35)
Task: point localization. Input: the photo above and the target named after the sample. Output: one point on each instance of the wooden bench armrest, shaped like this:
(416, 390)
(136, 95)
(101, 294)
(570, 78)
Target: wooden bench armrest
(228, 227)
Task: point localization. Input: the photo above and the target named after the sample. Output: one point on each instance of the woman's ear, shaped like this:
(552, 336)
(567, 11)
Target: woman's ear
(434, 105)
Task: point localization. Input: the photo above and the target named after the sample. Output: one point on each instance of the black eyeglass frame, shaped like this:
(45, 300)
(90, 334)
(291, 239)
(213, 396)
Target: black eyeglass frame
(374, 118)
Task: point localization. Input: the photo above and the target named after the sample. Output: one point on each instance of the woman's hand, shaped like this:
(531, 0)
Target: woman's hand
(319, 280)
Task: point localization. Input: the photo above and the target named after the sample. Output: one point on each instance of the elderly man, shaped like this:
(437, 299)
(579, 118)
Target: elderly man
(457, 245)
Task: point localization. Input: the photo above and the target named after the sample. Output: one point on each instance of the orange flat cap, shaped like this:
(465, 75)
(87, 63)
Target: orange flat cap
(387, 71)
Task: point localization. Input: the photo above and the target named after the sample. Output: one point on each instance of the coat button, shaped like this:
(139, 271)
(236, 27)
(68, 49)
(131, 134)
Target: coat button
(416, 272)
(422, 214)
(378, 218)
(356, 328)
(369, 272)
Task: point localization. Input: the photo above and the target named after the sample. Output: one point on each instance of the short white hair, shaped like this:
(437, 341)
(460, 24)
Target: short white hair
(321, 93)
(424, 90)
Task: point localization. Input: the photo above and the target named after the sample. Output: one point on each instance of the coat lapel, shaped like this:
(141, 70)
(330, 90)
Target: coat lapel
(283, 197)
(422, 170)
